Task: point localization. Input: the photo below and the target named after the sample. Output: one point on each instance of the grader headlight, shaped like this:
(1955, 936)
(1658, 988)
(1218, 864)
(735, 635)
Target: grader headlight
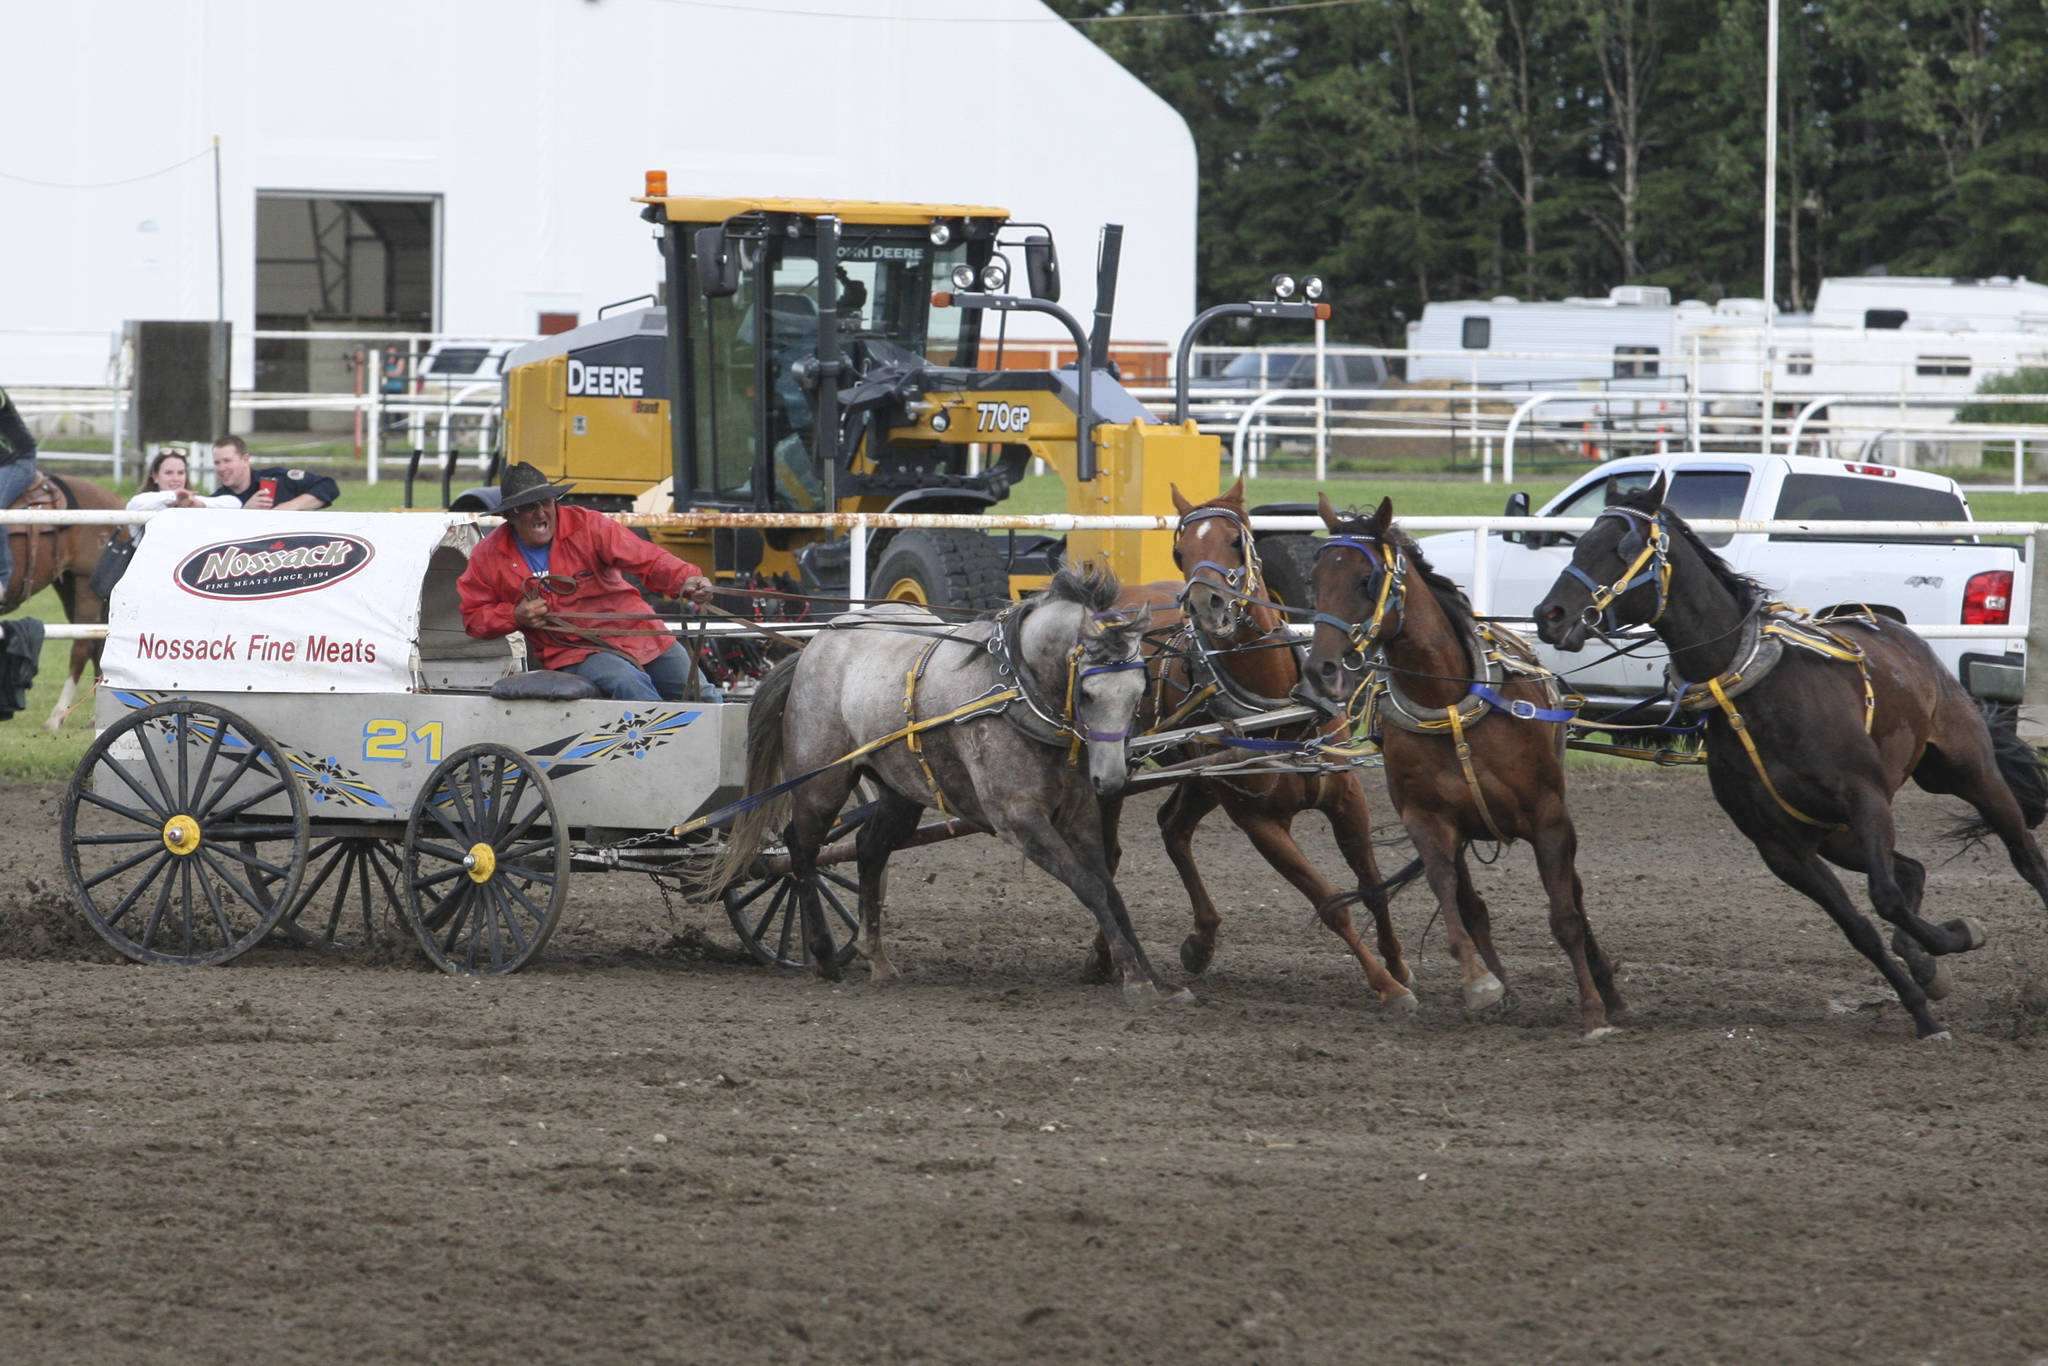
(963, 278)
(1283, 286)
(1311, 287)
(941, 233)
(993, 278)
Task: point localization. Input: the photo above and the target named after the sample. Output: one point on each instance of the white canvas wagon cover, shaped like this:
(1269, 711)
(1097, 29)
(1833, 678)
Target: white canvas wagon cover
(302, 602)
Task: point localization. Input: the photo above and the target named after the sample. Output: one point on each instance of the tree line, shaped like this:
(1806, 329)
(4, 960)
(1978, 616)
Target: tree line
(1412, 150)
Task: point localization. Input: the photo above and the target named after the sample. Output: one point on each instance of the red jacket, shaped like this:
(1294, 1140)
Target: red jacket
(594, 550)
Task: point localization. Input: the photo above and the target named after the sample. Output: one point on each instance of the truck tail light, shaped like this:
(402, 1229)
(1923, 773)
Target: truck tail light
(1987, 601)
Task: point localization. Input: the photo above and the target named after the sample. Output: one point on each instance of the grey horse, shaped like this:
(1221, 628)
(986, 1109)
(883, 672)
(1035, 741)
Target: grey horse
(1020, 724)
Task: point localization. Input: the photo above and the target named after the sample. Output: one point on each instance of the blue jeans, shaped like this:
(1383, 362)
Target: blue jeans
(666, 679)
(15, 477)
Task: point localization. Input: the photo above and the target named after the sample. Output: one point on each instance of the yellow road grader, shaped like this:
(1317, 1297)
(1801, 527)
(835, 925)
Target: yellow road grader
(826, 355)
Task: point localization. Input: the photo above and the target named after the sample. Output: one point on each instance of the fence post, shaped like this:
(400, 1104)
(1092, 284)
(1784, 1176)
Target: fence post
(373, 446)
(2034, 693)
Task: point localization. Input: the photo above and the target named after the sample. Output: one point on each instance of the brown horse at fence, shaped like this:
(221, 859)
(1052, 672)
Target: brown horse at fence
(1472, 733)
(1232, 656)
(62, 556)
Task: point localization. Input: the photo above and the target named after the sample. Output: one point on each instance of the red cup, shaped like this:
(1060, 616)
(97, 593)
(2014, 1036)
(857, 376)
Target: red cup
(269, 486)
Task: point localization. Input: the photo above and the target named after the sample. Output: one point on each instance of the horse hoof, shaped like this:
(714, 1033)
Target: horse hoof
(1938, 1036)
(881, 971)
(1940, 983)
(1970, 930)
(1484, 994)
(1603, 1032)
(1097, 971)
(1195, 953)
(1403, 1003)
(1157, 994)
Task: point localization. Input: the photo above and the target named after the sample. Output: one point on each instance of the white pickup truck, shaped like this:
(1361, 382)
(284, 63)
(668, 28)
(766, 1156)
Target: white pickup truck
(1924, 581)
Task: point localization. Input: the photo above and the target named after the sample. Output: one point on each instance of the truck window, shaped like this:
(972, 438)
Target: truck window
(1633, 362)
(1853, 498)
(1694, 495)
(1478, 333)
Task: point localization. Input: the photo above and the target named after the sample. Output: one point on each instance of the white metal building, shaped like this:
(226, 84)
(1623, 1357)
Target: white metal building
(467, 165)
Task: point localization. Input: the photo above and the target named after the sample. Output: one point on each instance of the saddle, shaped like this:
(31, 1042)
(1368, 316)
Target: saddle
(45, 494)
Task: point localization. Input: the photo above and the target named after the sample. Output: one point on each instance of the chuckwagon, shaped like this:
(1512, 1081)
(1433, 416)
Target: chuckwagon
(294, 728)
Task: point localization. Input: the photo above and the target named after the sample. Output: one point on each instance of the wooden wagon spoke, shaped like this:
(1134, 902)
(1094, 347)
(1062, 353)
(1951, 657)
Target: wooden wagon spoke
(127, 903)
(203, 802)
(158, 852)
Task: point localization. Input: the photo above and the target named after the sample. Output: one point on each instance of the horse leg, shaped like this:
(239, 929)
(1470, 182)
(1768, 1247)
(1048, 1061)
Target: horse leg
(83, 652)
(1803, 871)
(1273, 839)
(894, 821)
(1178, 817)
(1973, 775)
(1929, 971)
(1437, 840)
(1075, 857)
(1868, 846)
(1099, 968)
(1556, 845)
(817, 804)
(1351, 823)
(1478, 917)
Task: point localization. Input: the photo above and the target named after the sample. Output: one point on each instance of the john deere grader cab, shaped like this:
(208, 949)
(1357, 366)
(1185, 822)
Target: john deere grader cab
(825, 355)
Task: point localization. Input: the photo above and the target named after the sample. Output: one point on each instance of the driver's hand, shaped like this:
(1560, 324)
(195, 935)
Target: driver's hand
(698, 589)
(529, 613)
(260, 502)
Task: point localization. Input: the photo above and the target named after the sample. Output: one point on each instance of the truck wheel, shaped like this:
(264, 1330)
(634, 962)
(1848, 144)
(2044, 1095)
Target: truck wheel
(941, 569)
(1289, 561)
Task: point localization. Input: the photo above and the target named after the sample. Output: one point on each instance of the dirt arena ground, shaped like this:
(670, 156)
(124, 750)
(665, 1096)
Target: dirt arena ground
(644, 1150)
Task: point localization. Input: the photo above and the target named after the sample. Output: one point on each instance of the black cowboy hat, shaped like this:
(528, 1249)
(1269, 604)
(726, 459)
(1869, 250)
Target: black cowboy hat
(522, 486)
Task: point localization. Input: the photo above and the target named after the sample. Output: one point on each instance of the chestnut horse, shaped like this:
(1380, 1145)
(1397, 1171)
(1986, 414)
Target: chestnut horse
(1232, 657)
(1472, 733)
(1812, 727)
(63, 556)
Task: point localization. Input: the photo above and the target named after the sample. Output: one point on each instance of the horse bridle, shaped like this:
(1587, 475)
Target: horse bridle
(1077, 674)
(1652, 564)
(1238, 581)
(1068, 721)
(1390, 571)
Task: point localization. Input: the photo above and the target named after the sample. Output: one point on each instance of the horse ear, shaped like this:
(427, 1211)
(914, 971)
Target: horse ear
(1653, 496)
(1330, 517)
(1180, 503)
(1615, 492)
(1381, 519)
(1235, 494)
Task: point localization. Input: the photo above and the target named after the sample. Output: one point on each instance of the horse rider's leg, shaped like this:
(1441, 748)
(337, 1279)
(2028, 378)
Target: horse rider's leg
(894, 822)
(1074, 855)
(1273, 839)
(1178, 817)
(1344, 806)
(1437, 839)
(1556, 845)
(1800, 868)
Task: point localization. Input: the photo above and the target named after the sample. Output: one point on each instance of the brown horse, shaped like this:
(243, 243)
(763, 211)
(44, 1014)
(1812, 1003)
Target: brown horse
(1473, 738)
(1231, 657)
(1812, 728)
(63, 556)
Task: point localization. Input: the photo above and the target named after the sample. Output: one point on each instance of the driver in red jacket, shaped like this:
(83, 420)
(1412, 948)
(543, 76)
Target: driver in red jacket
(569, 563)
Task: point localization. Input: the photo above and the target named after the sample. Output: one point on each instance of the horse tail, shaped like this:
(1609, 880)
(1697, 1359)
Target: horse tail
(764, 770)
(2018, 763)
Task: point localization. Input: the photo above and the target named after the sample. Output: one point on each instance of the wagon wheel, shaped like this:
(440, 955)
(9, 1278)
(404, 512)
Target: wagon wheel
(768, 920)
(344, 874)
(486, 866)
(165, 851)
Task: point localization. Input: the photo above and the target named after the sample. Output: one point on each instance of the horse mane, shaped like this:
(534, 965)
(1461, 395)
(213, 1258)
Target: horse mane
(1447, 593)
(1746, 591)
(1093, 587)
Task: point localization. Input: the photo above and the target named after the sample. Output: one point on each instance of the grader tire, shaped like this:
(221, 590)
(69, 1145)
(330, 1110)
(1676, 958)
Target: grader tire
(1289, 560)
(961, 569)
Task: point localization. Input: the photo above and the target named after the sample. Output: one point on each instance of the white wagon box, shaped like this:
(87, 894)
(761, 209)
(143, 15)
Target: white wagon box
(290, 707)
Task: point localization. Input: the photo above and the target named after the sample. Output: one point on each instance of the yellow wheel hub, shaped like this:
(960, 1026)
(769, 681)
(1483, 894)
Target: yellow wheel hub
(181, 835)
(482, 861)
(908, 590)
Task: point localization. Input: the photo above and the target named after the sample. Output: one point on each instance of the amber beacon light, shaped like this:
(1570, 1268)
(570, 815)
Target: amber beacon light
(657, 184)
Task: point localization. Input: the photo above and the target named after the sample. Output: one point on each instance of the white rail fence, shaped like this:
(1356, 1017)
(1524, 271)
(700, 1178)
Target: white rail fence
(860, 526)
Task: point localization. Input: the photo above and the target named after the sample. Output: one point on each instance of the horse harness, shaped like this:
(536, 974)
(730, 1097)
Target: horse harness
(1036, 717)
(1765, 635)
(1498, 657)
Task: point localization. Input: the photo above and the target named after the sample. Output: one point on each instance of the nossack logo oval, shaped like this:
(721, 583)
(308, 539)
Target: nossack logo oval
(272, 566)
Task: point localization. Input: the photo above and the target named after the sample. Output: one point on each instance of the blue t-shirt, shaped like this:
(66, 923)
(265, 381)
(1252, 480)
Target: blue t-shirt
(536, 560)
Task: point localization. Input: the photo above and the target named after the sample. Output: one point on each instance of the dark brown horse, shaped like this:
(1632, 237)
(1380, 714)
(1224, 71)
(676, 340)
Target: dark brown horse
(1472, 735)
(1233, 656)
(1812, 727)
(63, 556)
